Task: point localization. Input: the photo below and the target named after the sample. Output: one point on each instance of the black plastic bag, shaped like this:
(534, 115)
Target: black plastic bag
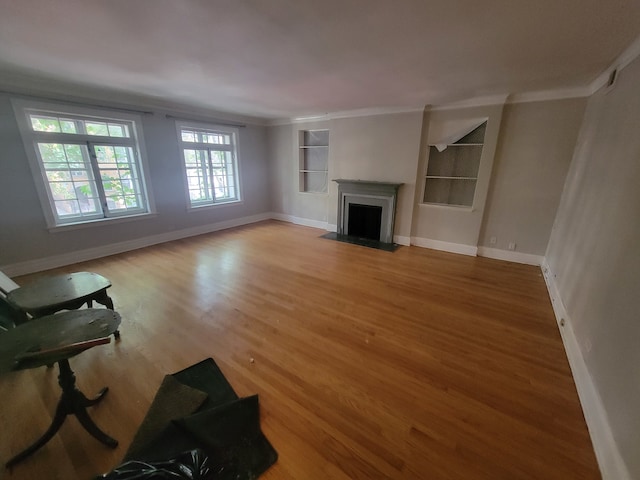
(190, 465)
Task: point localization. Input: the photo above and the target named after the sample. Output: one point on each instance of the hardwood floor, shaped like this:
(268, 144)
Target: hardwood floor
(416, 364)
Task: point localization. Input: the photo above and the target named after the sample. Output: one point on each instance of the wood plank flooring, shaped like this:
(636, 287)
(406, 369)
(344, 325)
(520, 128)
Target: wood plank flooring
(415, 364)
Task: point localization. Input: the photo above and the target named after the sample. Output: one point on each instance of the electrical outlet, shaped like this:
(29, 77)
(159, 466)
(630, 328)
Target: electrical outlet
(493, 241)
(512, 245)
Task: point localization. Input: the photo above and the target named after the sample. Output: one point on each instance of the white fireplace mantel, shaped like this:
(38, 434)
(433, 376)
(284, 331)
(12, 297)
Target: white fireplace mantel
(364, 192)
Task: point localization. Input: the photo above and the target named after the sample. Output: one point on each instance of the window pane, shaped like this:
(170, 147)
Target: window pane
(45, 124)
(188, 136)
(96, 128)
(198, 178)
(223, 175)
(118, 172)
(68, 208)
(117, 130)
(70, 179)
(68, 126)
(58, 175)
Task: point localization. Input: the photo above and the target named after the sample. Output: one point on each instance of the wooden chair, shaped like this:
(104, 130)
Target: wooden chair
(52, 294)
(10, 316)
(56, 339)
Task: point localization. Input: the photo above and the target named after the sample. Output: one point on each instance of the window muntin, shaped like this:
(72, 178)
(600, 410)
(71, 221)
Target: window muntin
(210, 164)
(90, 165)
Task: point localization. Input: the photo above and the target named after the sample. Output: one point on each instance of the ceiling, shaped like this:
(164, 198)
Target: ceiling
(292, 58)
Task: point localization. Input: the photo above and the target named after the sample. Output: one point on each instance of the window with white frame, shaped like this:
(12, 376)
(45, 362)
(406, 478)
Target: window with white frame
(88, 166)
(210, 160)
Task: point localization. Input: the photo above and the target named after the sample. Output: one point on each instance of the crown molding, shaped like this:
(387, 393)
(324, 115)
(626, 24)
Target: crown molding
(625, 58)
(362, 112)
(484, 101)
(548, 95)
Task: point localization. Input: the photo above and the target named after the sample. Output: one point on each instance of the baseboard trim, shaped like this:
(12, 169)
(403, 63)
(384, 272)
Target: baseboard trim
(445, 246)
(510, 256)
(307, 222)
(402, 240)
(612, 466)
(55, 261)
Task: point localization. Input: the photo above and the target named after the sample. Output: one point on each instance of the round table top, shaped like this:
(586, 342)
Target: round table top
(57, 290)
(54, 331)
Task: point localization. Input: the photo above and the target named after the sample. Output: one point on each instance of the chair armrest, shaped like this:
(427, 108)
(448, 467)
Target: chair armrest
(70, 349)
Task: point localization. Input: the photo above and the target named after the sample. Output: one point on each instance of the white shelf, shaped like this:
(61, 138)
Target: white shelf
(453, 178)
(314, 171)
(462, 145)
(314, 146)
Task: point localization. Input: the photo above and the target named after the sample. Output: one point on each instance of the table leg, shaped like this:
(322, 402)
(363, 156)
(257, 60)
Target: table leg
(72, 402)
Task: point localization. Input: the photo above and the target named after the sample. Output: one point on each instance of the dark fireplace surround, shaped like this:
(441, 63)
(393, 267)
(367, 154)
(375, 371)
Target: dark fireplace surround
(367, 208)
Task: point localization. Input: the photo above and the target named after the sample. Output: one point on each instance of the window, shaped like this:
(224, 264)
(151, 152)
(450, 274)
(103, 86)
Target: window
(87, 167)
(210, 161)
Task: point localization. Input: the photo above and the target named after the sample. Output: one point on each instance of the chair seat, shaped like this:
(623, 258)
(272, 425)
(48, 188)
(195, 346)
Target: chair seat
(51, 294)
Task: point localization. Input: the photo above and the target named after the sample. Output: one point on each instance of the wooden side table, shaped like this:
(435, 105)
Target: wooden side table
(55, 339)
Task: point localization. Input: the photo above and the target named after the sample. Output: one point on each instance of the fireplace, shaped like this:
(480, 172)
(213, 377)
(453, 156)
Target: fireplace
(367, 209)
(364, 221)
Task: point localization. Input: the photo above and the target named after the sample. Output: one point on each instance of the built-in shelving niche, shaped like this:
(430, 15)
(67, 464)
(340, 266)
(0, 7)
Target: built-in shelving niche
(452, 172)
(313, 160)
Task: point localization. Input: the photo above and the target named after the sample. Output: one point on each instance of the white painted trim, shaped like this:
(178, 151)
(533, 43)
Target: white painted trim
(40, 264)
(510, 256)
(307, 222)
(472, 102)
(370, 112)
(445, 246)
(612, 466)
(625, 58)
(332, 227)
(548, 95)
(363, 112)
(402, 240)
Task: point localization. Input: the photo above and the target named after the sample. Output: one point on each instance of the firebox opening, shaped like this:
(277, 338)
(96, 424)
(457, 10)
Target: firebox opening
(364, 221)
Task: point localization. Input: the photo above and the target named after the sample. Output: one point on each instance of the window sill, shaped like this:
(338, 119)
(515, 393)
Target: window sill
(100, 222)
(210, 206)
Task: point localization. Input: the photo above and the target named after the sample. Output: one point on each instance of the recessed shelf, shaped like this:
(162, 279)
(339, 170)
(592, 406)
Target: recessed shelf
(452, 178)
(462, 145)
(452, 174)
(313, 167)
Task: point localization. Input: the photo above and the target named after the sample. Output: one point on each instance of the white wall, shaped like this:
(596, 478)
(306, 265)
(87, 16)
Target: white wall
(535, 147)
(376, 147)
(532, 144)
(594, 257)
(286, 197)
(23, 232)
